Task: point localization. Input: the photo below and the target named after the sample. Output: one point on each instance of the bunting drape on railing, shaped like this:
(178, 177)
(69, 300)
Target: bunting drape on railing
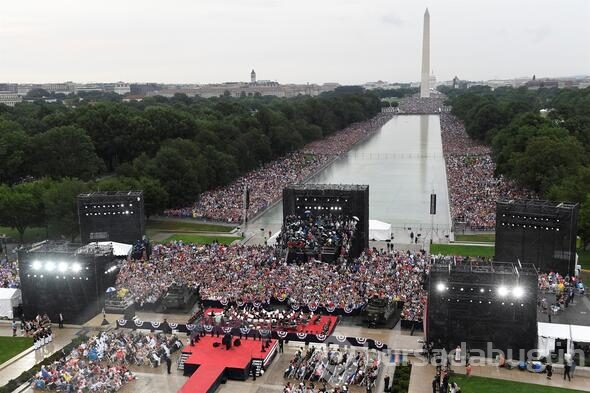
(256, 334)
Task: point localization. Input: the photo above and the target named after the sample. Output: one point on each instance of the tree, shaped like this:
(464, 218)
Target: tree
(181, 169)
(35, 94)
(14, 151)
(20, 208)
(485, 118)
(61, 207)
(66, 152)
(546, 160)
(155, 196)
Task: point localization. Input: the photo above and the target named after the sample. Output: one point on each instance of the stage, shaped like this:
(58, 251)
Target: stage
(209, 366)
(313, 327)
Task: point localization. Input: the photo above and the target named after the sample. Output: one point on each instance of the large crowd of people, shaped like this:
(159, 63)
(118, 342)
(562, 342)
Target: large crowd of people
(557, 292)
(9, 275)
(266, 319)
(266, 184)
(416, 105)
(312, 233)
(473, 186)
(101, 364)
(254, 274)
(339, 368)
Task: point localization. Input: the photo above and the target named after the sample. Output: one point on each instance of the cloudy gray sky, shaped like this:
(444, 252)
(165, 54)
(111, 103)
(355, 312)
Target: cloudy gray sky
(346, 41)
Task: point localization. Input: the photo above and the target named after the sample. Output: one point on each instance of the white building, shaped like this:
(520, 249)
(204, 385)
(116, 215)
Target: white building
(9, 98)
(122, 88)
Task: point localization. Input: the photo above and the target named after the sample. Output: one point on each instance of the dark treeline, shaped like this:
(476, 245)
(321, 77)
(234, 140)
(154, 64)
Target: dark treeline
(547, 152)
(172, 148)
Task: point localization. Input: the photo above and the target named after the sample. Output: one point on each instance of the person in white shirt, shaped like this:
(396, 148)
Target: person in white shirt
(458, 354)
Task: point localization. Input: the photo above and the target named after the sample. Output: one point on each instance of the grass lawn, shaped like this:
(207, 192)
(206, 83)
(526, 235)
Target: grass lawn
(459, 250)
(479, 237)
(12, 346)
(584, 258)
(197, 239)
(489, 385)
(187, 226)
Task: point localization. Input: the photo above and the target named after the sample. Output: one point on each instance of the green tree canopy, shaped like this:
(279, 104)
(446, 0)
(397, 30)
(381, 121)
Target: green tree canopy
(65, 152)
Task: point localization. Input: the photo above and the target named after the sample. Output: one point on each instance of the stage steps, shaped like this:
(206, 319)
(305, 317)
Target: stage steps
(181, 360)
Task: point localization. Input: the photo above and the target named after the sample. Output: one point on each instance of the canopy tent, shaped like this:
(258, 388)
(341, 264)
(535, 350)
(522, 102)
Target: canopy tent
(119, 249)
(580, 334)
(379, 230)
(9, 298)
(548, 333)
(273, 239)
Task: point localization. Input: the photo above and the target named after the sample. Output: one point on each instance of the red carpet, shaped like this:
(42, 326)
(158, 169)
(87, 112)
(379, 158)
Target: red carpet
(315, 327)
(212, 361)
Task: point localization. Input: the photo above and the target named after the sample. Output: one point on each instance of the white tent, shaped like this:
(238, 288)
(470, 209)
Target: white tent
(273, 239)
(548, 333)
(119, 249)
(379, 230)
(580, 334)
(9, 298)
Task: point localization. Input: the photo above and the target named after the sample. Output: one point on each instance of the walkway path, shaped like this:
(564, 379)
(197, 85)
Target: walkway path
(62, 337)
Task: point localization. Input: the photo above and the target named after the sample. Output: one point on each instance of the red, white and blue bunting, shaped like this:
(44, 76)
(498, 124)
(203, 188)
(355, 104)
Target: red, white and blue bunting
(291, 336)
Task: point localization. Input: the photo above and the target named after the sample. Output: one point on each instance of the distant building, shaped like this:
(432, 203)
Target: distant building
(122, 88)
(243, 89)
(536, 84)
(9, 87)
(144, 88)
(9, 98)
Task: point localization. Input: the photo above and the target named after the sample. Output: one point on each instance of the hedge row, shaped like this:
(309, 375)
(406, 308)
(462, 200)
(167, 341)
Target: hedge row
(26, 376)
(401, 378)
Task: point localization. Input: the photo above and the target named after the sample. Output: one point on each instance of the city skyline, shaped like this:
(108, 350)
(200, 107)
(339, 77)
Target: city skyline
(348, 42)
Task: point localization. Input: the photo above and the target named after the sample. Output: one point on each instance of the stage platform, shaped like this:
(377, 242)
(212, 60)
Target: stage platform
(209, 366)
(315, 327)
(575, 314)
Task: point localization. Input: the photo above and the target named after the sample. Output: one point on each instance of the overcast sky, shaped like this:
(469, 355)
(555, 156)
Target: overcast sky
(346, 41)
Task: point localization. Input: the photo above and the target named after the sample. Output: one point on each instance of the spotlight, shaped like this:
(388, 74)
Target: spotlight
(50, 266)
(502, 291)
(518, 292)
(440, 287)
(62, 267)
(76, 267)
(36, 265)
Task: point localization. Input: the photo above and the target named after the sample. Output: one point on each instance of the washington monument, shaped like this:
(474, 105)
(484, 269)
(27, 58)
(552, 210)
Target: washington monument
(425, 83)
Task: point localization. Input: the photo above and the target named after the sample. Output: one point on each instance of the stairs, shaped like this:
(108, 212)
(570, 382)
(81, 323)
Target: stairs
(181, 360)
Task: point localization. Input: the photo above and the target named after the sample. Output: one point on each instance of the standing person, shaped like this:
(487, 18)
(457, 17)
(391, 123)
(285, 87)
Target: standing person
(573, 369)
(168, 363)
(14, 328)
(566, 370)
(386, 382)
(468, 370)
(281, 342)
(61, 320)
(549, 369)
(411, 236)
(458, 354)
